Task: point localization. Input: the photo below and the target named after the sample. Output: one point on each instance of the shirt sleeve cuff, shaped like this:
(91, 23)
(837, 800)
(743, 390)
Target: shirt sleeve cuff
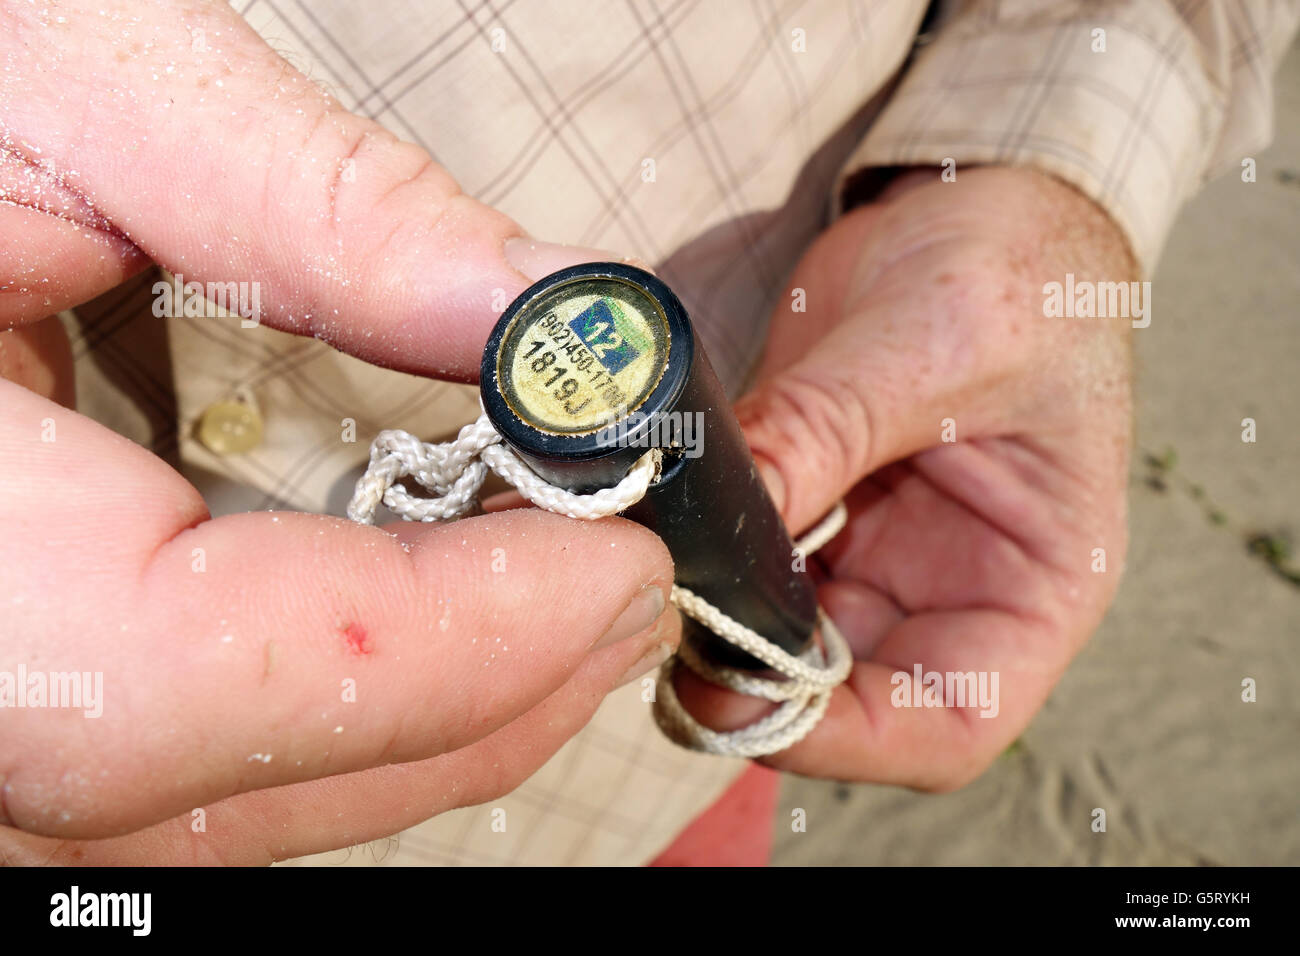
(1131, 127)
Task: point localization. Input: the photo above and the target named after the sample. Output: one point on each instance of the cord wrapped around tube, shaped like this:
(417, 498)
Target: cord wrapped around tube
(453, 472)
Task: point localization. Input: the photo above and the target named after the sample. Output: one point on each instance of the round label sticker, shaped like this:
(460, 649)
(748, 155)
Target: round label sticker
(582, 355)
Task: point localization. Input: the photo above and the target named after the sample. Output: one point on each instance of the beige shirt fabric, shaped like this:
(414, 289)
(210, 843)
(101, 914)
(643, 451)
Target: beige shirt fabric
(709, 138)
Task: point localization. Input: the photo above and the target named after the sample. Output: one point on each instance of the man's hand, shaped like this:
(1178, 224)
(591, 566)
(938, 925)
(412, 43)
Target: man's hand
(305, 682)
(925, 322)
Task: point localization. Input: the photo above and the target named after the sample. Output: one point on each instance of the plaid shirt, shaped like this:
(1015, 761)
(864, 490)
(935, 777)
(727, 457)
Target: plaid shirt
(713, 140)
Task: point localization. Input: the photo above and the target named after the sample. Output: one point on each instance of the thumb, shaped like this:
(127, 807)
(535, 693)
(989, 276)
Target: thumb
(810, 437)
(188, 136)
(884, 356)
(875, 385)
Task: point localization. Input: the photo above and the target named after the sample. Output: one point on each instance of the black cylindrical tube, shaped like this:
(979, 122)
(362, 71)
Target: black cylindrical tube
(594, 365)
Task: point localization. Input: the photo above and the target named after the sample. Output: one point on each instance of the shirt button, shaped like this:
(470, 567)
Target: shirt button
(230, 427)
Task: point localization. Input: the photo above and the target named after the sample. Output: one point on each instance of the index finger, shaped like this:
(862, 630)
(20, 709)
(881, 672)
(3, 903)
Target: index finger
(262, 649)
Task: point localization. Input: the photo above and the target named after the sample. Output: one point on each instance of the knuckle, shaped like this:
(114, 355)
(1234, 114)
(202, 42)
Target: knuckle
(58, 797)
(821, 421)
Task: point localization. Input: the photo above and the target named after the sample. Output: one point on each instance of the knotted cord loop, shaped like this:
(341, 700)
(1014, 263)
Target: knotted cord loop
(455, 471)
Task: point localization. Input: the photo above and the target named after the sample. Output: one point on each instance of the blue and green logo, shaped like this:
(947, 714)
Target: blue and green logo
(606, 331)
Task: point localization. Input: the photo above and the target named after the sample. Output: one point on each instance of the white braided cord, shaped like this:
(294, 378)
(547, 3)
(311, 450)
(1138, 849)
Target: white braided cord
(454, 472)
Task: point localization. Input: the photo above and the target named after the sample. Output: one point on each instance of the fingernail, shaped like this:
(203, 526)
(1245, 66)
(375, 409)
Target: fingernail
(658, 654)
(774, 482)
(642, 611)
(536, 260)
